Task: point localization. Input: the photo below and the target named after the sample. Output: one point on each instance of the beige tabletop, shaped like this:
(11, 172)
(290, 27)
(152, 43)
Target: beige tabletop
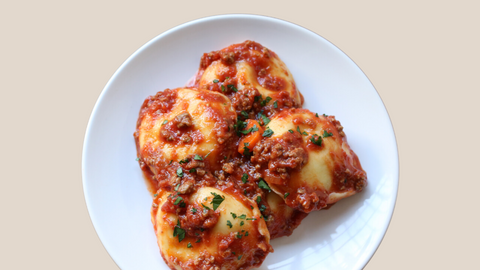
(422, 57)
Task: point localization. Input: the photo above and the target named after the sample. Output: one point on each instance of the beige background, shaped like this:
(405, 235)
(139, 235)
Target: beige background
(56, 57)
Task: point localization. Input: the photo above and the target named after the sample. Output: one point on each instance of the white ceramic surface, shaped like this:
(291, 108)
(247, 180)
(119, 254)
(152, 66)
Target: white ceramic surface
(343, 237)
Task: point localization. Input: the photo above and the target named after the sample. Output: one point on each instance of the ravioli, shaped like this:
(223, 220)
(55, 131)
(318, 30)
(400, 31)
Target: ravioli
(210, 229)
(249, 74)
(308, 161)
(178, 124)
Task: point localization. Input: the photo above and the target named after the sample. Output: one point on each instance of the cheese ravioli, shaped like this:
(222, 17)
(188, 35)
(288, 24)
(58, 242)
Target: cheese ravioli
(210, 229)
(250, 75)
(308, 161)
(176, 125)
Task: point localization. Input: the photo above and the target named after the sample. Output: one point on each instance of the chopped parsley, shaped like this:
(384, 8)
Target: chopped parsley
(252, 129)
(232, 87)
(317, 141)
(229, 224)
(246, 150)
(291, 131)
(242, 216)
(263, 185)
(217, 200)
(265, 101)
(170, 162)
(194, 210)
(215, 81)
(180, 172)
(262, 208)
(189, 245)
(155, 195)
(286, 195)
(164, 122)
(206, 207)
(239, 257)
(186, 160)
(241, 223)
(198, 157)
(259, 199)
(177, 231)
(192, 170)
(239, 236)
(198, 241)
(244, 114)
(265, 119)
(316, 114)
(244, 178)
(223, 88)
(327, 134)
(176, 188)
(137, 159)
(178, 200)
(325, 115)
(251, 219)
(233, 215)
(246, 233)
(268, 132)
(275, 105)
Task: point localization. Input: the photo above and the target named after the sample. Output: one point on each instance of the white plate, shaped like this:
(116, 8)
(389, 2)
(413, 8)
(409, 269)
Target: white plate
(343, 237)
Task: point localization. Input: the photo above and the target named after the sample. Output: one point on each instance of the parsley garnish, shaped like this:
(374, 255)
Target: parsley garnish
(239, 257)
(217, 200)
(176, 188)
(232, 87)
(251, 219)
(264, 118)
(246, 233)
(180, 172)
(239, 236)
(263, 185)
(286, 195)
(223, 88)
(264, 102)
(198, 241)
(257, 98)
(198, 157)
(206, 207)
(325, 115)
(178, 200)
(177, 231)
(215, 81)
(170, 162)
(318, 141)
(268, 132)
(229, 224)
(192, 170)
(189, 245)
(275, 105)
(246, 151)
(164, 122)
(327, 134)
(137, 159)
(233, 215)
(316, 114)
(243, 216)
(155, 195)
(258, 199)
(244, 178)
(244, 114)
(291, 131)
(186, 160)
(241, 223)
(194, 210)
(262, 208)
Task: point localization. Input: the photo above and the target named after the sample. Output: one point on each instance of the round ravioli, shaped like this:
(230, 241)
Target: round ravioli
(177, 125)
(210, 229)
(307, 160)
(251, 75)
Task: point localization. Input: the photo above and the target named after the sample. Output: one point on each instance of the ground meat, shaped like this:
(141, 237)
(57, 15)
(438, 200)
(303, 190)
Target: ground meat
(228, 57)
(244, 99)
(280, 153)
(184, 120)
(204, 219)
(186, 187)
